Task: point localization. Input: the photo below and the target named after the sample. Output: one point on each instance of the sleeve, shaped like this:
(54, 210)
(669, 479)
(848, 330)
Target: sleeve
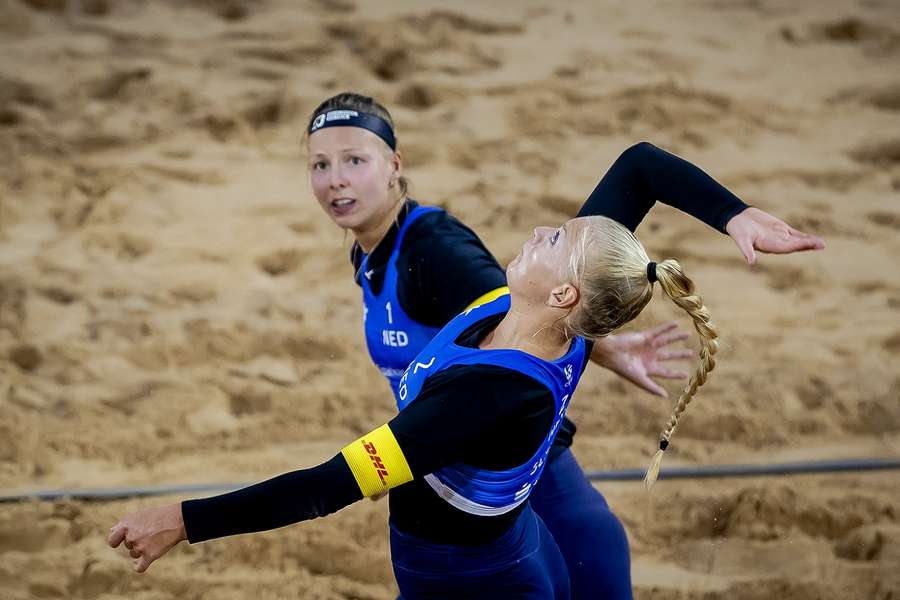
(454, 410)
(283, 500)
(453, 268)
(644, 174)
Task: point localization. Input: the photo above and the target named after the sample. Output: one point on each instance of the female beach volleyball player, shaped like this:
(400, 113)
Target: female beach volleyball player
(419, 267)
(634, 176)
(480, 407)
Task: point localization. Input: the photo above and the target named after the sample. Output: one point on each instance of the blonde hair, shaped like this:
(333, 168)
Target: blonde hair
(613, 274)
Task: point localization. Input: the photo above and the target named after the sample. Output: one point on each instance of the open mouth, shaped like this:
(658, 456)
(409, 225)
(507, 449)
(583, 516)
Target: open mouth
(342, 206)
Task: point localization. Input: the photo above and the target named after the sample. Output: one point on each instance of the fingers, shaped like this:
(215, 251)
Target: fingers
(667, 373)
(142, 563)
(652, 334)
(808, 236)
(652, 387)
(680, 354)
(669, 338)
(134, 552)
(116, 534)
(745, 245)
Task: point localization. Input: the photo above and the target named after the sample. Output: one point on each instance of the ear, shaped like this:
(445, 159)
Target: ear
(565, 295)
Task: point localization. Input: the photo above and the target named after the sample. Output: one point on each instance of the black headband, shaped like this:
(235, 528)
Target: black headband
(343, 117)
(651, 271)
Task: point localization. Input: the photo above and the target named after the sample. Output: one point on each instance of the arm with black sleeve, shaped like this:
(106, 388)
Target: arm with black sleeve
(644, 174)
(452, 415)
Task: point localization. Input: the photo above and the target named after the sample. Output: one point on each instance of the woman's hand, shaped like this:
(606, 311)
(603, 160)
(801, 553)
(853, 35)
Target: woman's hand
(755, 229)
(148, 534)
(636, 356)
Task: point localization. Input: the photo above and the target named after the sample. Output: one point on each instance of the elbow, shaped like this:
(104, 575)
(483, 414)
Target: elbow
(639, 151)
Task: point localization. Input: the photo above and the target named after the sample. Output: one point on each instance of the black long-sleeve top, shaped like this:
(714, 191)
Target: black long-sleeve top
(468, 414)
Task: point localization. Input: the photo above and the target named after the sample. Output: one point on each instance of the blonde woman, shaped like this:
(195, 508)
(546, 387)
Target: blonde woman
(418, 268)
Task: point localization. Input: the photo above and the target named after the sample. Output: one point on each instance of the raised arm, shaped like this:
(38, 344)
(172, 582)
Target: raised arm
(644, 174)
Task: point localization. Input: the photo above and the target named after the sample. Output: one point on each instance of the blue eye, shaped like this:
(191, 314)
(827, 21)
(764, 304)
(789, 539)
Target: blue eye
(554, 237)
(355, 160)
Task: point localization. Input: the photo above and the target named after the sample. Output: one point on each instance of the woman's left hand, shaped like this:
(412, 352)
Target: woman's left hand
(148, 534)
(636, 356)
(755, 229)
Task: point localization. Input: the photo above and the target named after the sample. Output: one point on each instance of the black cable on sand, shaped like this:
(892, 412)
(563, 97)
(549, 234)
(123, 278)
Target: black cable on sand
(697, 472)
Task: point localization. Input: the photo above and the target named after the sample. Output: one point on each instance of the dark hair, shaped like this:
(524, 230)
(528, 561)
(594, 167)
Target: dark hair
(366, 104)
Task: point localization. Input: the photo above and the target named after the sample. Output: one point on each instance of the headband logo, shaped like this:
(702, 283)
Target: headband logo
(318, 122)
(340, 115)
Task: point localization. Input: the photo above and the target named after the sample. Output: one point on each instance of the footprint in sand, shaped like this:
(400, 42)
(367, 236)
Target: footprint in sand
(885, 153)
(26, 356)
(94, 8)
(247, 400)
(268, 110)
(885, 219)
(866, 543)
(564, 208)
(287, 55)
(418, 97)
(309, 347)
(783, 279)
(118, 83)
(35, 536)
(280, 262)
(123, 246)
(418, 155)
(885, 97)
(871, 37)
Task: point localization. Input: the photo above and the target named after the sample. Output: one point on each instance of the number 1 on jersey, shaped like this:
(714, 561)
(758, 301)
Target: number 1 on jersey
(387, 307)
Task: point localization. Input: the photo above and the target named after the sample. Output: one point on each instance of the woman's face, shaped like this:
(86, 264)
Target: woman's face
(353, 175)
(543, 263)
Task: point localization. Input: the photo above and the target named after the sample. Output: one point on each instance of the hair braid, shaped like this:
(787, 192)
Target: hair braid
(680, 289)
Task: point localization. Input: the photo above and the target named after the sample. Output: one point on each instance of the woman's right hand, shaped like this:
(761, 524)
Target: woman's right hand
(755, 229)
(148, 534)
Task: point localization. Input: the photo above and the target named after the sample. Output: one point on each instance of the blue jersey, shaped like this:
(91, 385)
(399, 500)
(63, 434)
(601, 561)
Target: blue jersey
(392, 337)
(481, 491)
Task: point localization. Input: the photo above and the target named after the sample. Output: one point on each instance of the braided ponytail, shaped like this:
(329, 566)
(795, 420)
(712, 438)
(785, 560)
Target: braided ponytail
(680, 289)
(615, 279)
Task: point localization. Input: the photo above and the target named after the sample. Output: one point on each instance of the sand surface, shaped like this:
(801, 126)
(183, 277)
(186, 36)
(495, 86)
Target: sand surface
(175, 308)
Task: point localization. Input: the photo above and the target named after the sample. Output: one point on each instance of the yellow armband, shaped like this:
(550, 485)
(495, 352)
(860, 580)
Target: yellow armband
(377, 462)
(489, 297)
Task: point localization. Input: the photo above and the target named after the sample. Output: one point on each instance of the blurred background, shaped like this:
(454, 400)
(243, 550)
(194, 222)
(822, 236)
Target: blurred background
(175, 308)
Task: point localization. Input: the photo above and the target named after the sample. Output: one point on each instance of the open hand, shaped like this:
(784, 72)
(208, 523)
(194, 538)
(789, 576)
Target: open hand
(636, 356)
(755, 229)
(148, 534)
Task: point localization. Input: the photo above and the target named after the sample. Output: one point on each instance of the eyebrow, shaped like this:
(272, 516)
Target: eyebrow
(343, 150)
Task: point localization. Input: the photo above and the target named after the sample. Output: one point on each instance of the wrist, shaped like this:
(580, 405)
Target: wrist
(603, 350)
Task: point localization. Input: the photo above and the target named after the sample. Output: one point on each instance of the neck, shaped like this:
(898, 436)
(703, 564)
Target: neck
(368, 236)
(531, 329)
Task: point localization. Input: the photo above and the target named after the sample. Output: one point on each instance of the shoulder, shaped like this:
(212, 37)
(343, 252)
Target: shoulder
(439, 227)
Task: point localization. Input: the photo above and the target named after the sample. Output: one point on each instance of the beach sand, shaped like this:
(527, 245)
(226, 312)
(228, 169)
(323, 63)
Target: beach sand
(175, 308)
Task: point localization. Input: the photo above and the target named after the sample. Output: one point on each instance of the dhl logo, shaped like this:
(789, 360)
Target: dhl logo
(376, 461)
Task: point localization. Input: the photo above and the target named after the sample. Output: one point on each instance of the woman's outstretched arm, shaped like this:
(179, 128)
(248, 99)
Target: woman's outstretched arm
(644, 174)
(456, 410)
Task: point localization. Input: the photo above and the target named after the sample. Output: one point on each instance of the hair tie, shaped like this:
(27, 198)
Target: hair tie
(651, 271)
(663, 444)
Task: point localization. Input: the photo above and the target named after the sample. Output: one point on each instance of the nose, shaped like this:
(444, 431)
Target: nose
(338, 180)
